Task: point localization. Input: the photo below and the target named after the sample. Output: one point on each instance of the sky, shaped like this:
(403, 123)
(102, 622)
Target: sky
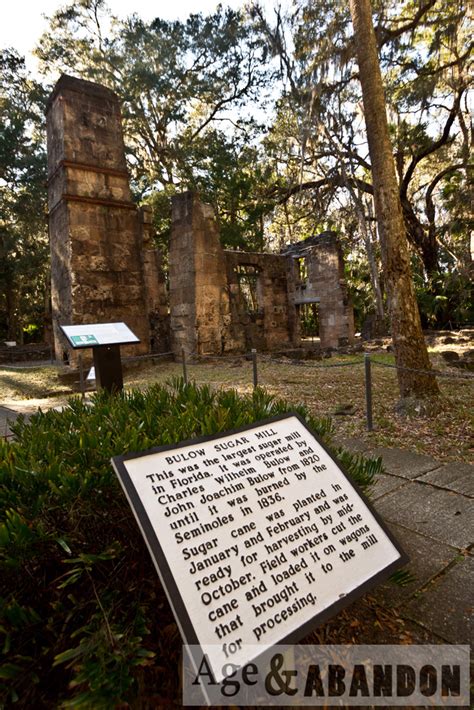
(22, 21)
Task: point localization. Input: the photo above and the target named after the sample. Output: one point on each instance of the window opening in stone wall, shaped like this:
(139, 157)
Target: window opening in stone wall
(302, 270)
(309, 320)
(247, 278)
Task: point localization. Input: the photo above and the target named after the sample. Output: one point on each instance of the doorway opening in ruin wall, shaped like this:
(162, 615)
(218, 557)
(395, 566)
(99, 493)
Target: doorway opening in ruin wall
(309, 319)
(307, 306)
(249, 283)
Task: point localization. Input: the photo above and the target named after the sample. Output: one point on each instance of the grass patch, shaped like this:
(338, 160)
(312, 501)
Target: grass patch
(30, 383)
(445, 433)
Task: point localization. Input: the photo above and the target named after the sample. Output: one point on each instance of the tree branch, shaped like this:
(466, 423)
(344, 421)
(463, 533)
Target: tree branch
(430, 208)
(385, 35)
(335, 180)
(237, 94)
(442, 140)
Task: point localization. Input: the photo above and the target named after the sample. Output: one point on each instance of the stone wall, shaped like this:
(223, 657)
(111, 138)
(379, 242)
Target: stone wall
(267, 326)
(154, 282)
(324, 284)
(209, 314)
(106, 269)
(232, 301)
(197, 274)
(102, 269)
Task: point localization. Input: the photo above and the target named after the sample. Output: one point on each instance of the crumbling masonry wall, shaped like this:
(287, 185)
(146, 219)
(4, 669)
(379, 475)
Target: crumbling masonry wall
(230, 301)
(103, 266)
(197, 275)
(208, 313)
(268, 326)
(324, 284)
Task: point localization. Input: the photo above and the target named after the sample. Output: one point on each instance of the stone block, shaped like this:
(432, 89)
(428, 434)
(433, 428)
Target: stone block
(457, 477)
(385, 484)
(425, 562)
(441, 515)
(445, 605)
(404, 463)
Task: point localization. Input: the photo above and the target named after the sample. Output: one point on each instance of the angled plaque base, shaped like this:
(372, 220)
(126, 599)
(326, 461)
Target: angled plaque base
(108, 368)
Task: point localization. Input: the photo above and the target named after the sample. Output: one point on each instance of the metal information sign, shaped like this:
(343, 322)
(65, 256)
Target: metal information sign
(92, 335)
(257, 535)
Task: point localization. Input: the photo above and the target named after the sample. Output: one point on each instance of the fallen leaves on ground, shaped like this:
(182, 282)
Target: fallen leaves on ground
(445, 432)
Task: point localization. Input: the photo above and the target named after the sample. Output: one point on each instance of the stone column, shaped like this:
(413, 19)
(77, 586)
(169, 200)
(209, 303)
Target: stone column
(155, 286)
(95, 234)
(197, 273)
(326, 274)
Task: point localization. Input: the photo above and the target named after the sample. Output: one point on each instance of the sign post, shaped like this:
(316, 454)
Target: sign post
(108, 366)
(258, 535)
(105, 340)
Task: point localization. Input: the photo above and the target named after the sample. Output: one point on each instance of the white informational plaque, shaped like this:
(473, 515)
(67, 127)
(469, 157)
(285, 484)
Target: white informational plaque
(92, 335)
(257, 535)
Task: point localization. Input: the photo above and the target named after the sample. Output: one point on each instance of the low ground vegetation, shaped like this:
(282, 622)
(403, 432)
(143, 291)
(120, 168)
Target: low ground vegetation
(84, 620)
(442, 429)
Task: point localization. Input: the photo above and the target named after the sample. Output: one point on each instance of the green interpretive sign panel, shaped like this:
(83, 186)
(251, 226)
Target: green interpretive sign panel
(105, 340)
(84, 340)
(91, 335)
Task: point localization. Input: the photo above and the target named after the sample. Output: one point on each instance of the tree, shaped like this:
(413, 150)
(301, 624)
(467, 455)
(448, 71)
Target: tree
(425, 54)
(186, 88)
(409, 344)
(24, 247)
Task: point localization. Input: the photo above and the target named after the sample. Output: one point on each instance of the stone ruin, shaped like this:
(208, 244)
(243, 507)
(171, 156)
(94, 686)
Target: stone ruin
(105, 268)
(103, 264)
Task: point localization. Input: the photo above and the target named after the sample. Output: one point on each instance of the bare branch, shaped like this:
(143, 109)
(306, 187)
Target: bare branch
(385, 35)
(335, 180)
(435, 145)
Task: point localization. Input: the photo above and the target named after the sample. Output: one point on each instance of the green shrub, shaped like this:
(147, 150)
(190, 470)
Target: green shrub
(84, 620)
(446, 301)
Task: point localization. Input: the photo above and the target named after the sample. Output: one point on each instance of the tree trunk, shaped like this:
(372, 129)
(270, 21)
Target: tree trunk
(424, 242)
(367, 239)
(11, 301)
(374, 267)
(409, 345)
(374, 277)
